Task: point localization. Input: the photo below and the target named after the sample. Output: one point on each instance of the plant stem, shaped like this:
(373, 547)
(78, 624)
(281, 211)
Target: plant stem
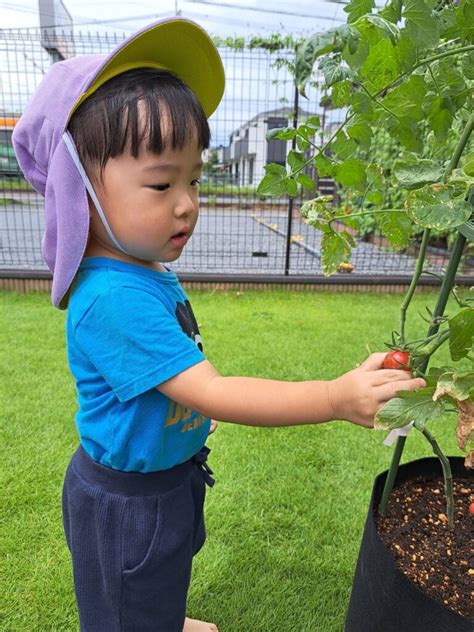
(448, 53)
(447, 474)
(383, 210)
(443, 296)
(460, 146)
(392, 472)
(411, 290)
(379, 103)
(423, 62)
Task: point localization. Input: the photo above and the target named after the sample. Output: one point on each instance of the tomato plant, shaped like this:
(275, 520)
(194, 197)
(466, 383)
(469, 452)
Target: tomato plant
(406, 70)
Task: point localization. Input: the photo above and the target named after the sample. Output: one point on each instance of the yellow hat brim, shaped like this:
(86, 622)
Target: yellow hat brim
(177, 45)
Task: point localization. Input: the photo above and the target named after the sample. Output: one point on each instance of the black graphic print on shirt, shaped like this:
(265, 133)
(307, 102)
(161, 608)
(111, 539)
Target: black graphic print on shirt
(177, 413)
(187, 320)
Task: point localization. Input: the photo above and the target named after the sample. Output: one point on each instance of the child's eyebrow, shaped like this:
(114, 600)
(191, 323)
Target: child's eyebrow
(169, 166)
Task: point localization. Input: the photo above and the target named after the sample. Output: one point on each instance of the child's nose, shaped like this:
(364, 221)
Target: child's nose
(185, 205)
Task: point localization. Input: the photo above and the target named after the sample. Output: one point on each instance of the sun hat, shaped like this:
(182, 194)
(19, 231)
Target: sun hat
(46, 151)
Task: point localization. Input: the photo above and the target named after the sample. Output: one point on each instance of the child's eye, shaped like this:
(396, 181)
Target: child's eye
(195, 183)
(160, 187)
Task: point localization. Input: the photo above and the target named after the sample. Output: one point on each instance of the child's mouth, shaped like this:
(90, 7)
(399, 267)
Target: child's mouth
(180, 238)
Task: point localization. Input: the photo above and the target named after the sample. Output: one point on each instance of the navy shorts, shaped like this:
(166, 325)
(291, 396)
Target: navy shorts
(132, 538)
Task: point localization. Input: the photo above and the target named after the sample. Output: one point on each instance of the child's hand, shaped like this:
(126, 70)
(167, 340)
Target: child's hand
(356, 395)
(213, 426)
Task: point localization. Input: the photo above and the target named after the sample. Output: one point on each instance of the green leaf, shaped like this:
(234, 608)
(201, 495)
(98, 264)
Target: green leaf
(324, 166)
(361, 103)
(275, 181)
(356, 57)
(308, 51)
(407, 99)
(276, 169)
(464, 22)
(446, 20)
(439, 206)
(375, 177)
(302, 143)
(314, 121)
(454, 385)
(341, 94)
(296, 160)
(334, 71)
(461, 333)
(357, 8)
(361, 133)
(409, 134)
(306, 54)
(381, 66)
(335, 249)
(468, 65)
(343, 147)
(352, 173)
(305, 180)
(420, 23)
(388, 29)
(376, 197)
(468, 165)
(417, 406)
(406, 52)
(413, 173)
(317, 212)
(291, 187)
(281, 133)
(431, 378)
(440, 116)
(392, 11)
(395, 226)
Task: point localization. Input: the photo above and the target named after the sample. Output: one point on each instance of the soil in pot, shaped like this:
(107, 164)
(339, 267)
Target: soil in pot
(438, 559)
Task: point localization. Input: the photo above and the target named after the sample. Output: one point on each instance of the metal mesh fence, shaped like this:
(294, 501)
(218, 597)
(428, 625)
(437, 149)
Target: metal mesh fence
(238, 232)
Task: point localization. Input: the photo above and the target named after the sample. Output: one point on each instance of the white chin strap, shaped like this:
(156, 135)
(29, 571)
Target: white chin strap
(68, 141)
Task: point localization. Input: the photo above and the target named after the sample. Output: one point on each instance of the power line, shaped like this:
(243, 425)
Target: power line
(148, 16)
(260, 10)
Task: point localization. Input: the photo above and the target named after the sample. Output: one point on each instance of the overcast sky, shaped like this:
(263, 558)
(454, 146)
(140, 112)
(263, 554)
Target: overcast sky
(232, 17)
(251, 85)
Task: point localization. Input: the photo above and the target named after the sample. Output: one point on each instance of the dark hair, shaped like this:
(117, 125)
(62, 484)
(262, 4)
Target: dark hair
(108, 121)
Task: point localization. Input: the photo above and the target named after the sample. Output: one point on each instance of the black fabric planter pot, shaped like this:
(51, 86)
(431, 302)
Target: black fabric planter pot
(383, 599)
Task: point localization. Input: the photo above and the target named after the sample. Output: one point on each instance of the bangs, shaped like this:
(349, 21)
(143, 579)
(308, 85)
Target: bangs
(142, 108)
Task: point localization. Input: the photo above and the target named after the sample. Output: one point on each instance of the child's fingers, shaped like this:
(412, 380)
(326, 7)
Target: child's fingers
(373, 362)
(385, 376)
(391, 375)
(389, 390)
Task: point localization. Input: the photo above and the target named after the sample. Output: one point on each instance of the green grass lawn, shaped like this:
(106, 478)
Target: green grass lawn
(285, 517)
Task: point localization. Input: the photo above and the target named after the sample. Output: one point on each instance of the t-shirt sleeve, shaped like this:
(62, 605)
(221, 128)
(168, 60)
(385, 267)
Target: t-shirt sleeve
(134, 341)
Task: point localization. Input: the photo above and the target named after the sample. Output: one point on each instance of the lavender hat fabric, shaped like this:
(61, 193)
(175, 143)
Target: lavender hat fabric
(46, 152)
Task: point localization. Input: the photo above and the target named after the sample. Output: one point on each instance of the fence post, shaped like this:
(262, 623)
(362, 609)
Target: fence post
(290, 199)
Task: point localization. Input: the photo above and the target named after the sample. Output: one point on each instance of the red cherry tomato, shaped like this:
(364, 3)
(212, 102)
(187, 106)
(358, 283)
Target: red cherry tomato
(471, 509)
(397, 360)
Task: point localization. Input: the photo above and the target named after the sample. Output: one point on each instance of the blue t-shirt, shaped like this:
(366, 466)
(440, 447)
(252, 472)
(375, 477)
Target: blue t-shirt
(128, 329)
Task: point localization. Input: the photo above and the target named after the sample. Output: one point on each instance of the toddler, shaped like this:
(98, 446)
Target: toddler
(114, 144)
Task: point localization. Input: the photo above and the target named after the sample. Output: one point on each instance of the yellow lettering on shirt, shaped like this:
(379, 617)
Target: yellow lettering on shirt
(177, 413)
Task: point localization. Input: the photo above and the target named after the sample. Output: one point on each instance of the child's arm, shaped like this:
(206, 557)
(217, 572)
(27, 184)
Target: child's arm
(354, 396)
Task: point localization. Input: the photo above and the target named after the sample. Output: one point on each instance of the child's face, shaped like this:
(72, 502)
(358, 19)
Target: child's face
(146, 201)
